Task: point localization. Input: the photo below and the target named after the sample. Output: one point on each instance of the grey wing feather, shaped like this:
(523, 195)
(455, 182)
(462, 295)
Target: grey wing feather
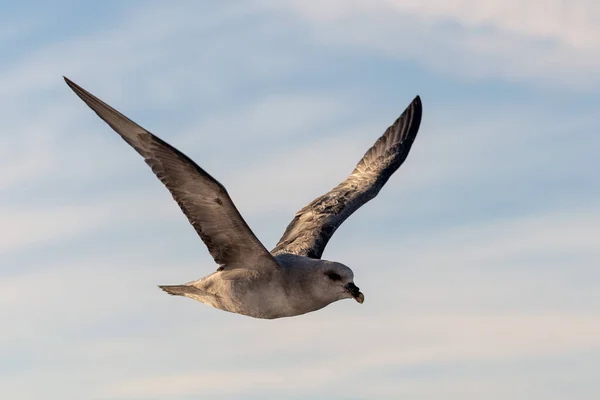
(203, 200)
(312, 227)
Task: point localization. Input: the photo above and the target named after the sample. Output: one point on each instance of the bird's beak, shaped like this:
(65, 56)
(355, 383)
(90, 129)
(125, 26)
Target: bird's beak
(355, 292)
(360, 298)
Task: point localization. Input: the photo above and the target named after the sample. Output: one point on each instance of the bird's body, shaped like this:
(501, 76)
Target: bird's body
(292, 279)
(265, 294)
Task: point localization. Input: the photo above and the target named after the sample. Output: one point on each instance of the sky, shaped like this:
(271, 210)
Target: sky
(479, 260)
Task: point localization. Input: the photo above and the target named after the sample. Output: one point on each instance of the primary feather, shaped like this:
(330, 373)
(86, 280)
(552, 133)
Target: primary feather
(203, 200)
(312, 227)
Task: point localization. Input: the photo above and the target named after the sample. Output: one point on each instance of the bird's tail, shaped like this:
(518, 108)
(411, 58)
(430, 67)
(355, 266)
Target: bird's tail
(177, 290)
(190, 291)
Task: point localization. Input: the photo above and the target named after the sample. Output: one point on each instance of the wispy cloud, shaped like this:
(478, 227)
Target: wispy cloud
(548, 42)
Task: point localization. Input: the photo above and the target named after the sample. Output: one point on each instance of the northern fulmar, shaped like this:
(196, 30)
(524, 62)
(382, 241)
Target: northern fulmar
(292, 279)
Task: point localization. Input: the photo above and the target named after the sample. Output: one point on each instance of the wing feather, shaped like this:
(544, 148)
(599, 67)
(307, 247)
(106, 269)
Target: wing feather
(203, 200)
(312, 227)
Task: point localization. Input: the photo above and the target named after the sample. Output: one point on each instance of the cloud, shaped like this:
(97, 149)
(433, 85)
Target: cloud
(549, 43)
(41, 143)
(53, 223)
(315, 364)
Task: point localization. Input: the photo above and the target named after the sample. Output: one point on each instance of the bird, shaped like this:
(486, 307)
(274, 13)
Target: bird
(292, 279)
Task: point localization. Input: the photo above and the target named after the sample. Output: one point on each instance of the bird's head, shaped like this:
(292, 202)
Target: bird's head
(336, 281)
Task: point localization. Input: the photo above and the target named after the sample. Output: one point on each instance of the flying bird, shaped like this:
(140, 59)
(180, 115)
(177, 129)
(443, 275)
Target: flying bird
(292, 279)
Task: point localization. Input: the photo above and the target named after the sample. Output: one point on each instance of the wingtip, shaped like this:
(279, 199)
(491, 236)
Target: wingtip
(416, 104)
(71, 84)
(79, 91)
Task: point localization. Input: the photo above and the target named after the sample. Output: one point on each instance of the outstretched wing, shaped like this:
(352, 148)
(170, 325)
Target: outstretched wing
(312, 227)
(203, 199)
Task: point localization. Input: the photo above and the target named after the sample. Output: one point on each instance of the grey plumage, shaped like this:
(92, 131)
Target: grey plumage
(203, 200)
(312, 227)
(292, 279)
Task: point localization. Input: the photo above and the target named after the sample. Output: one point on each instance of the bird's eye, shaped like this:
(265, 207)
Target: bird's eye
(334, 276)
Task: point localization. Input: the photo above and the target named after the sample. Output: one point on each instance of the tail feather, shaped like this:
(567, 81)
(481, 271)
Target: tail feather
(187, 291)
(176, 290)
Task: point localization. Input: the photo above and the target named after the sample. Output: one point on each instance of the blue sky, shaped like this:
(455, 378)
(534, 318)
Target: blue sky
(479, 259)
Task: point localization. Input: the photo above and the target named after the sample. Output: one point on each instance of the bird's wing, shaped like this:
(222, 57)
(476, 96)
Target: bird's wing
(312, 227)
(202, 199)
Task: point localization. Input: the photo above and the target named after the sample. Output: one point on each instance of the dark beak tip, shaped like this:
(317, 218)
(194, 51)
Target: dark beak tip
(360, 298)
(355, 292)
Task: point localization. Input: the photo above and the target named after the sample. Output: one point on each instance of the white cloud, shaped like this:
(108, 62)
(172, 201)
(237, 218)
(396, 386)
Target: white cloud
(573, 23)
(54, 223)
(315, 363)
(552, 42)
(146, 40)
(40, 144)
